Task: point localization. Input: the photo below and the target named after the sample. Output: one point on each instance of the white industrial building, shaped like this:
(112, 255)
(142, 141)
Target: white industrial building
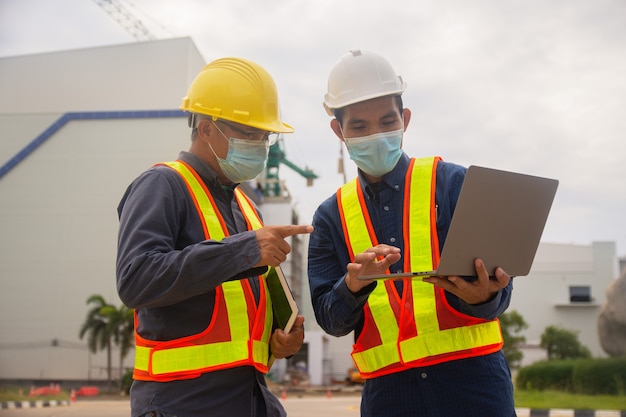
(76, 127)
(566, 287)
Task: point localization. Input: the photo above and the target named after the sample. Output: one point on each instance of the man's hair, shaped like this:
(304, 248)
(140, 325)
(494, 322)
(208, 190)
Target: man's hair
(339, 112)
(192, 121)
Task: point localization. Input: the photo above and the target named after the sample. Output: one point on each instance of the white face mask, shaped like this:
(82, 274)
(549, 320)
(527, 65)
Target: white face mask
(245, 158)
(376, 154)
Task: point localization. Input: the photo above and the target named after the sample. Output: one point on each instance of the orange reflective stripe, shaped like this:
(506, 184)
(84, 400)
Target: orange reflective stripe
(356, 224)
(249, 342)
(250, 214)
(210, 216)
(260, 348)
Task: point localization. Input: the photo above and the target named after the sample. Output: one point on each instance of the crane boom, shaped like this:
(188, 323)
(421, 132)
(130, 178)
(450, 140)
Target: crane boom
(271, 184)
(132, 25)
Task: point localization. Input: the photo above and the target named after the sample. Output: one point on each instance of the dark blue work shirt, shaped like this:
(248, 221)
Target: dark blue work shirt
(168, 272)
(478, 386)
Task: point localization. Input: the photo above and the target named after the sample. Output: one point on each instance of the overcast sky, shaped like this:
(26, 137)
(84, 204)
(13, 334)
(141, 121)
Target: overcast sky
(533, 86)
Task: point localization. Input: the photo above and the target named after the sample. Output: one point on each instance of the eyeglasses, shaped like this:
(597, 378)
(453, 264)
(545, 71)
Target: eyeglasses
(255, 135)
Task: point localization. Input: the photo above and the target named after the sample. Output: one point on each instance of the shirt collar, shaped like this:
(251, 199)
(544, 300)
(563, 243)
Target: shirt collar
(203, 169)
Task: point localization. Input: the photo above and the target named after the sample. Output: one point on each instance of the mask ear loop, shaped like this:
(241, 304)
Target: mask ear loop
(219, 130)
(341, 130)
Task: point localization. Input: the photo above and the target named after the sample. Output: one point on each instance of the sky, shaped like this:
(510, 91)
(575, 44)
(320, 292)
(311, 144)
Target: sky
(532, 86)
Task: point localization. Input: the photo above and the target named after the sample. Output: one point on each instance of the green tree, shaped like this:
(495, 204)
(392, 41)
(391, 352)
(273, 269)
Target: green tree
(512, 324)
(563, 344)
(98, 331)
(120, 323)
(106, 325)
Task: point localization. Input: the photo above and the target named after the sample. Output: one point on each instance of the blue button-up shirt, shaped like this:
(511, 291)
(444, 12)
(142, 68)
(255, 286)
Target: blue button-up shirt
(469, 387)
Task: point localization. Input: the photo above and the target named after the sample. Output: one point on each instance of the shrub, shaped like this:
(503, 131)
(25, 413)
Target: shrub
(582, 376)
(600, 376)
(544, 375)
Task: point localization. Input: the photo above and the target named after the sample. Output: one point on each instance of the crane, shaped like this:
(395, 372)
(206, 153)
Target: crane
(132, 25)
(271, 184)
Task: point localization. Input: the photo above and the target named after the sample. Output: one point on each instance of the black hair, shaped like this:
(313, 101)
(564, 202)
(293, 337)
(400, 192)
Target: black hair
(339, 112)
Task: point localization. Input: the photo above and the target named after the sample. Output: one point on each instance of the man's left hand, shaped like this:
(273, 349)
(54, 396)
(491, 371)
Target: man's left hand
(479, 291)
(287, 344)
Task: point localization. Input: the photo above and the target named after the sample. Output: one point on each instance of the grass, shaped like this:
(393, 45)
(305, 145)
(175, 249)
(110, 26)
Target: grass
(557, 399)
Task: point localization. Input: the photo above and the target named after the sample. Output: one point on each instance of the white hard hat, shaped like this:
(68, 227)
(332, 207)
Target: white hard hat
(359, 76)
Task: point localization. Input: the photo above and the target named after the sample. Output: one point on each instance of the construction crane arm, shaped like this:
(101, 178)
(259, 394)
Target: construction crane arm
(129, 22)
(306, 173)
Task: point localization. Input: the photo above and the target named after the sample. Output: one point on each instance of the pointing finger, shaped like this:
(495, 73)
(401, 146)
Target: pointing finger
(294, 229)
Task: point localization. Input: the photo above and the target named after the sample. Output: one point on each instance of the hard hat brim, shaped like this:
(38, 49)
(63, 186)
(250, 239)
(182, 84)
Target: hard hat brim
(331, 110)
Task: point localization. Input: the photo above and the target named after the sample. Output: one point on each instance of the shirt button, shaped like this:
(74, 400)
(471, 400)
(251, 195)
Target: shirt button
(408, 306)
(396, 187)
(392, 240)
(386, 208)
(424, 376)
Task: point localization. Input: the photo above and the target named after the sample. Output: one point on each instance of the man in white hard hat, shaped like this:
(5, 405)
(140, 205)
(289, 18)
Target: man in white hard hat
(427, 348)
(193, 256)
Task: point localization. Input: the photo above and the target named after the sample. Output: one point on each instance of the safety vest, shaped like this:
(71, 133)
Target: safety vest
(417, 327)
(239, 331)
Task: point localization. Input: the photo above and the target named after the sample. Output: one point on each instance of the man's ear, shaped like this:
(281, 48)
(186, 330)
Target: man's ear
(205, 128)
(407, 117)
(336, 127)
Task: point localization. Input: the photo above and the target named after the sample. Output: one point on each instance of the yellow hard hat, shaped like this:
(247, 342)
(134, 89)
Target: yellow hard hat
(238, 90)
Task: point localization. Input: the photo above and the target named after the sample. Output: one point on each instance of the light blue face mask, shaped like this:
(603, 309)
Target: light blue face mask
(245, 158)
(376, 154)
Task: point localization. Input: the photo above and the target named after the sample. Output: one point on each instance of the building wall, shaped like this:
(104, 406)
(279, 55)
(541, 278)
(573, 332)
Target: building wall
(58, 224)
(58, 220)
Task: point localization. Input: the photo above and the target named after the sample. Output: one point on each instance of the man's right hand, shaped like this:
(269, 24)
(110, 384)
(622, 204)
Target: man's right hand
(272, 244)
(368, 263)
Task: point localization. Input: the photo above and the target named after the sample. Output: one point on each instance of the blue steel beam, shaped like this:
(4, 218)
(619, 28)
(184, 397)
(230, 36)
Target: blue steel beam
(68, 117)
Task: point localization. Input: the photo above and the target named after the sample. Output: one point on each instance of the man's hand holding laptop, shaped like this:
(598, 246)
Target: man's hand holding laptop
(478, 291)
(376, 260)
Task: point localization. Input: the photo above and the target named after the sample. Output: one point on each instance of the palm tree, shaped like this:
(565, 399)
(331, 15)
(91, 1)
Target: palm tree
(97, 327)
(120, 323)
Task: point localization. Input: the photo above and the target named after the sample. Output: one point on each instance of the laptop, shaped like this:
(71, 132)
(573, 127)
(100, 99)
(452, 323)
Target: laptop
(499, 218)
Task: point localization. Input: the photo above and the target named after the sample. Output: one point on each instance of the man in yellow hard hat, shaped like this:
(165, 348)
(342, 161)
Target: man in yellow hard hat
(425, 348)
(193, 254)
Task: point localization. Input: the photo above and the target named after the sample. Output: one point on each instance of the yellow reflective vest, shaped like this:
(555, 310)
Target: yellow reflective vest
(239, 331)
(417, 327)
